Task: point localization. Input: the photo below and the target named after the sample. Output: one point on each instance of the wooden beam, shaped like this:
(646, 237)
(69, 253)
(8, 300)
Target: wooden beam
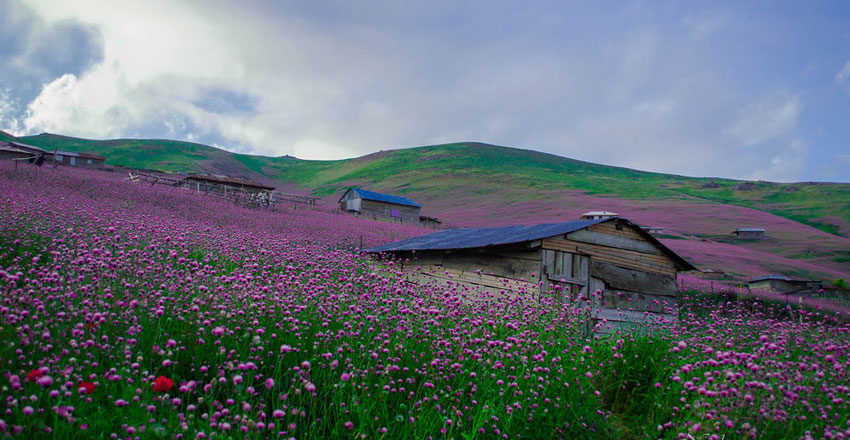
(634, 280)
(615, 241)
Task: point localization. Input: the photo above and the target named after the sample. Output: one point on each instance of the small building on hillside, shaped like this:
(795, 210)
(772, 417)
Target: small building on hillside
(371, 204)
(220, 183)
(81, 160)
(567, 263)
(595, 215)
(749, 233)
(9, 151)
(785, 284)
(67, 158)
(709, 274)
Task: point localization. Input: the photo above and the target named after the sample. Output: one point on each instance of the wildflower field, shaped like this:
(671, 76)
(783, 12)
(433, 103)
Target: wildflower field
(130, 311)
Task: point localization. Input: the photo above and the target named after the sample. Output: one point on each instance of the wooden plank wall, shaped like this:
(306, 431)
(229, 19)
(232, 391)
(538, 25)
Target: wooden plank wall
(636, 279)
(515, 272)
(626, 248)
(371, 208)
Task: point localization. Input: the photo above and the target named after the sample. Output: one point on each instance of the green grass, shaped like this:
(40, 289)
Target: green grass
(6, 137)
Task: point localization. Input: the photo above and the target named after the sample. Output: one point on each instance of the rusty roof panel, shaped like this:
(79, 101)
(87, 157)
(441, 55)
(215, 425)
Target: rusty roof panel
(228, 180)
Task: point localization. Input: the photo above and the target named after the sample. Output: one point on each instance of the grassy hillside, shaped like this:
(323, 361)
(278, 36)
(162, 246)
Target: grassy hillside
(474, 184)
(518, 175)
(6, 137)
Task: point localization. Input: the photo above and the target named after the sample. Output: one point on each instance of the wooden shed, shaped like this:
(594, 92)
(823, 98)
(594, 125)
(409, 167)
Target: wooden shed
(220, 183)
(9, 151)
(80, 160)
(625, 274)
(375, 205)
(749, 233)
(68, 158)
(785, 284)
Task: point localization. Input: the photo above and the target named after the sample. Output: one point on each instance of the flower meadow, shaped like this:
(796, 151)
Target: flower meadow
(131, 311)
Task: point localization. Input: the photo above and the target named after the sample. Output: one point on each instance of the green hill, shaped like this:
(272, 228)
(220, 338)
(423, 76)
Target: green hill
(516, 174)
(6, 137)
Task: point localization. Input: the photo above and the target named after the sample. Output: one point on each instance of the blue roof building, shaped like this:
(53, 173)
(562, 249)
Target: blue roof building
(379, 206)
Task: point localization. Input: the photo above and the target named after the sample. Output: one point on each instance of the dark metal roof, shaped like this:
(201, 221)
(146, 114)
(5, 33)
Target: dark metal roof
(468, 238)
(229, 180)
(781, 278)
(379, 197)
(471, 238)
(80, 155)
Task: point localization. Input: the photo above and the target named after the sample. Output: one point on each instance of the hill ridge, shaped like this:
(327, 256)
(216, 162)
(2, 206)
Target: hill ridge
(473, 183)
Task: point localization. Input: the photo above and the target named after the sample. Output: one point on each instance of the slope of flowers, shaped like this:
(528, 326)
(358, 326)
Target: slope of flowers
(129, 311)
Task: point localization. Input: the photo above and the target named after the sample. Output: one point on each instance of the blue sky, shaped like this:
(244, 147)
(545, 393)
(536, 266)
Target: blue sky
(754, 90)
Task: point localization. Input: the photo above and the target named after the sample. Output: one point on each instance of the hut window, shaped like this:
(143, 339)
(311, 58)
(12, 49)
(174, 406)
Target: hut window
(395, 213)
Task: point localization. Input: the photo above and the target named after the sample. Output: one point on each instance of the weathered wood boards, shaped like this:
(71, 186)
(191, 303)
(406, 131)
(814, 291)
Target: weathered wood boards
(612, 270)
(630, 282)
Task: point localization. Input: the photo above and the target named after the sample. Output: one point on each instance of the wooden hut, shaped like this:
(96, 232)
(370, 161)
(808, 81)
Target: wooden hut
(9, 151)
(67, 158)
(625, 274)
(80, 160)
(749, 233)
(219, 183)
(375, 205)
(785, 284)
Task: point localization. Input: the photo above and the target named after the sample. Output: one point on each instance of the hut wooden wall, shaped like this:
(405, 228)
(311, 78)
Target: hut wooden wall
(374, 209)
(512, 271)
(635, 277)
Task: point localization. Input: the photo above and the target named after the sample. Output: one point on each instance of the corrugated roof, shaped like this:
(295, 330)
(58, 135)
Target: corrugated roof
(780, 278)
(80, 155)
(241, 181)
(470, 238)
(9, 147)
(387, 198)
(749, 230)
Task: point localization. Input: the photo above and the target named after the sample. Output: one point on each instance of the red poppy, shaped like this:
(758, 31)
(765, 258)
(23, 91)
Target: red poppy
(34, 375)
(86, 387)
(162, 384)
(91, 326)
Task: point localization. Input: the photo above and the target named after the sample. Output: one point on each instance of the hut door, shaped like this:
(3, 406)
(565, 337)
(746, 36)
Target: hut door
(570, 271)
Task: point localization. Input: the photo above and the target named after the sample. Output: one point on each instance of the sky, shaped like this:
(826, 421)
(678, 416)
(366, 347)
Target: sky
(749, 90)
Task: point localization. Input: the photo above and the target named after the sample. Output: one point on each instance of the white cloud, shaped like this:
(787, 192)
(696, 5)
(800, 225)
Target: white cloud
(784, 164)
(770, 117)
(269, 78)
(8, 121)
(842, 78)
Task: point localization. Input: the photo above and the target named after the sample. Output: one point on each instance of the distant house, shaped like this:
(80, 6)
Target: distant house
(81, 160)
(375, 205)
(220, 183)
(9, 151)
(654, 230)
(784, 284)
(596, 215)
(749, 233)
(568, 262)
(68, 158)
(709, 274)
